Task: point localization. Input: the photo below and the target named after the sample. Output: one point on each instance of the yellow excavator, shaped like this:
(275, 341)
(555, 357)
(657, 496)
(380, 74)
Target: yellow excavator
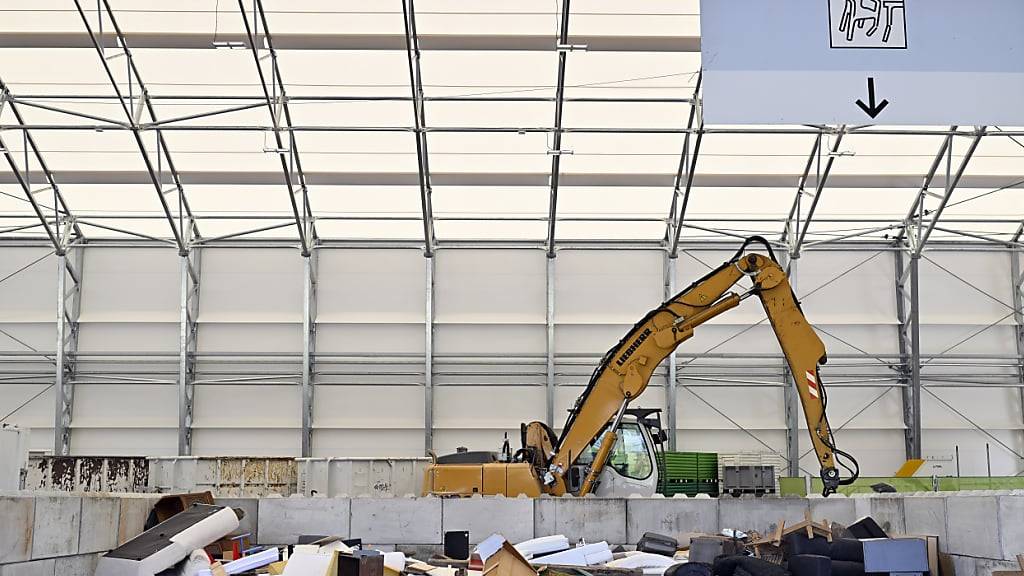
(606, 449)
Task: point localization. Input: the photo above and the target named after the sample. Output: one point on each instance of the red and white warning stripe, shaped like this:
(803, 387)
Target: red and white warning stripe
(812, 384)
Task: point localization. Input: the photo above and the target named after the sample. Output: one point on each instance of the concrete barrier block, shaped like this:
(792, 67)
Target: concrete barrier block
(135, 510)
(594, 519)
(889, 513)
(251, 507)
(1011, 526)
(926, 515)
(99, 524)
(761, 514)
(56, 526)
(16, 513)
(670, 516)
(283, 520)
(510, 517)
(78, 565)
(973, 526)
(841, 510)
(397, 520)
(33, 568)
(963, 565)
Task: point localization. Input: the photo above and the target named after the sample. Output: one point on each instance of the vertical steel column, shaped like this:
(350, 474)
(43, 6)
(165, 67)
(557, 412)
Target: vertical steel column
(562, 47)
(309, 264)
(915, 354)
(902, 333)
(670, 383)
(549, 320)
(1017, 289)
(428, 358)
(187, 346)
(68, 308)
(789, 396)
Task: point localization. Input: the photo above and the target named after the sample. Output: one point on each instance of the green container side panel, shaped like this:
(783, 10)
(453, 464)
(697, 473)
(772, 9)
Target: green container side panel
(796, 486)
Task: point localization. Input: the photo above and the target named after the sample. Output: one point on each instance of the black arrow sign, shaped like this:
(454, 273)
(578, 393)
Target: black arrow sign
(870, 108)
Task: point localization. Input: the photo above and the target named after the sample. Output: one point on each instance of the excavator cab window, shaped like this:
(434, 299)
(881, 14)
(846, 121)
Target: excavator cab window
(630, 456)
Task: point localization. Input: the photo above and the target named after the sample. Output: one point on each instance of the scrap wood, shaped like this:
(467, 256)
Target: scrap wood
(564, 570)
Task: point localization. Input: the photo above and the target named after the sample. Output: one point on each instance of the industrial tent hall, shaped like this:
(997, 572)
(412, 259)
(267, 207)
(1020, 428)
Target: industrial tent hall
(347, 229)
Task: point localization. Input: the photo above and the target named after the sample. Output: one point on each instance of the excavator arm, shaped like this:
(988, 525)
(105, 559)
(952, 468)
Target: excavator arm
(626, 369)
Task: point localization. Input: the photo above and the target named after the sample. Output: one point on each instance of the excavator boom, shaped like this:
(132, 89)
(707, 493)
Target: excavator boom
(626, 369)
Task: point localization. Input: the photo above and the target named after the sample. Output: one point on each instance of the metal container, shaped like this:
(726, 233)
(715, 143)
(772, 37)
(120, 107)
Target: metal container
(749, 480)
(361, 476)
(13, 457)
(224, 476)
(88, 473)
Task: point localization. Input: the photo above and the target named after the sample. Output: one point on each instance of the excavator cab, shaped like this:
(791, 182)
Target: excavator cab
(632, 466)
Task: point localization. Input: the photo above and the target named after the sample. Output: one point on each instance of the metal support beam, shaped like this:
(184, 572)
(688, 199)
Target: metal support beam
(928, 178)
(428, 358)
(556, 142)
(790, 398)
(68, 308)
(788, 232)
(190, 270)
(671, 361)
(61, 212)
(684, 160)
(1017, 301)
(674, 250)
(277, 104)
(819, 188)
(951, 184)
(549, 321)
(909, 337)
(308, 349)
(412, 49)
(186, 225)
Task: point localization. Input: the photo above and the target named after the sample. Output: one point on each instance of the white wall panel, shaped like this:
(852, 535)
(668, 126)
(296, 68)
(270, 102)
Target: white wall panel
(124, 441)
(29, 295)
(370, 286)
(369, 407)
(497, 339)
(755, 408)
(367, 442)
(487, 407)
(947, 300)
(250, 337)
(974, 458)
(245, 442)
(129, 337)
(990, 408)
(126, 405)
(137, 285)
(366, 338)
(36, 415)
(20, 336)
(864, 295)
(246, 406)
(258, 285)
(494, 286)
(607, 286)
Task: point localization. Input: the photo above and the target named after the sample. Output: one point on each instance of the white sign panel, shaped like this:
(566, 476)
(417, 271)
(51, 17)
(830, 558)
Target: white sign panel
(908, 62)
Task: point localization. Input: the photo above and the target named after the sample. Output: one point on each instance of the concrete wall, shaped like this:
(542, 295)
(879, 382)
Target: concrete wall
(48, 534)
(61, 534)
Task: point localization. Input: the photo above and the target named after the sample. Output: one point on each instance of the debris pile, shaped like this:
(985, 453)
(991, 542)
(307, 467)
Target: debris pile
(193, 538)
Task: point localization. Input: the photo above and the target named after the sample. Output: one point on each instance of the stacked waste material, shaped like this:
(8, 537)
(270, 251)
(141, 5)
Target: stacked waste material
(201, 540)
